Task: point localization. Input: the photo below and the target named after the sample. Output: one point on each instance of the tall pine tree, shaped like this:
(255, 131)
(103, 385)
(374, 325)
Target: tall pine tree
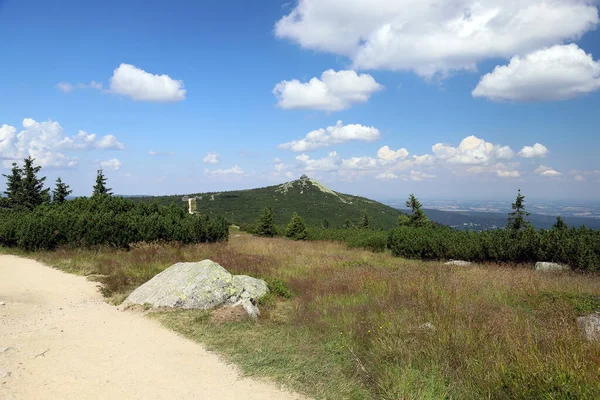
(418, 218)
(32, 187)
(14, 186)
(100, 188)
(516, 219)
(60, 192)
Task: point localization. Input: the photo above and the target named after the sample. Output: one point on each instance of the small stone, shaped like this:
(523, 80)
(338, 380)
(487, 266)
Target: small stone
(428, 326)
(4, 349)
(5, 374)
(2, 303)
(459, 263)
(551, 267)
(590, 326)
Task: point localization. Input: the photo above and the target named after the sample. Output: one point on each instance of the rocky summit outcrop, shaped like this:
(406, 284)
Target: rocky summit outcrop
(200, 285)
(590, 326)
(549, 267)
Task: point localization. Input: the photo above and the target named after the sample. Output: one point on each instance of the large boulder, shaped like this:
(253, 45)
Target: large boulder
(551, 267)
(590, 326)
(200, 285)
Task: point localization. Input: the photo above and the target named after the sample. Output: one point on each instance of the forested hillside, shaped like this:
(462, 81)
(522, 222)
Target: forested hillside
(313, 201)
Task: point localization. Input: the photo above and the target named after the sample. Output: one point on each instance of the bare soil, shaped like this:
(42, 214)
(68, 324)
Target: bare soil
(60, 340)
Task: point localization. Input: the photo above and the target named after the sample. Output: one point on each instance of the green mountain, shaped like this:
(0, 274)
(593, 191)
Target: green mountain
(313, 201)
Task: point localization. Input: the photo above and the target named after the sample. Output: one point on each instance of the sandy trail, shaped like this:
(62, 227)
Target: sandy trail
(94, 351)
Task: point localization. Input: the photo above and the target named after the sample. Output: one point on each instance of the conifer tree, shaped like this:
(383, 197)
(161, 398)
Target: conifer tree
(60, 192)
(265, 225)
(347, 224)
(516, 219)
(325, 224)
(296, 229)
(365, 221)
(560, 223)
(100, 188)
(14, 186)
(418, 218)
(32, 187)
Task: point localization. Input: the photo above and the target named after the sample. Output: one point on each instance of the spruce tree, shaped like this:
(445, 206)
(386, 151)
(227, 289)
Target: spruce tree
(265, 225)
(100, 188)
(560, 224)
(347, 224)
(325, 224)
(32, 187)
(296, 229)
(14, 186)
(365, 221)
(60, 192)
(418, 218)
(516, 219)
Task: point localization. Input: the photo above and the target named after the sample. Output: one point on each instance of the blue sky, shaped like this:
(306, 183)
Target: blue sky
(189, 96)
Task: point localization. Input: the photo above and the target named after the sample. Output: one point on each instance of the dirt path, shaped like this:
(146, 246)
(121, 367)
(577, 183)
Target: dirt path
(65, 342)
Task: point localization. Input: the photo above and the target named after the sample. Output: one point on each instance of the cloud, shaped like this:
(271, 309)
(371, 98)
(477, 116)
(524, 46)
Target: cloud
(419, 176)
(471, 151)
(211, 158)
(583, 176)
(329, 163)
(385, 176)
(131, 81)
(387, 154)
(47, 142)
(113, 164)
(161, 153)
(546, 171)
(432, 37)
(68, 88)
(556, 73)
(535, 151)
(335, 91)
(279, 167)
(337, 134)
(508, 174)
(89, 141)
(236, 170)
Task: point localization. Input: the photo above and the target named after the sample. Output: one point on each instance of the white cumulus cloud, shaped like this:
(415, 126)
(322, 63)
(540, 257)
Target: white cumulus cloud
(556, 73)
(337, 134)
(333, 92)
(236, 170)
(113, 164)
(47, 142)
(547, 171)
(432, 37)
(386, 176)
(387, 154)
(471, 151)
(211, 158)
(129, 80)
(536, 151)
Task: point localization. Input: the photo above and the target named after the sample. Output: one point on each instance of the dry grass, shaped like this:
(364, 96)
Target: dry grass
(354, 328)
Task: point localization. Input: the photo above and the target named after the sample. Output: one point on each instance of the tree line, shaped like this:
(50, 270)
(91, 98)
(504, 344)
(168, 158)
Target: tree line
(33, 219)
(419, 238)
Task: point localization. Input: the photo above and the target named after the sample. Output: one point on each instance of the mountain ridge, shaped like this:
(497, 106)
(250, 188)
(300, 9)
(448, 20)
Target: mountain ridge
(314, 202)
